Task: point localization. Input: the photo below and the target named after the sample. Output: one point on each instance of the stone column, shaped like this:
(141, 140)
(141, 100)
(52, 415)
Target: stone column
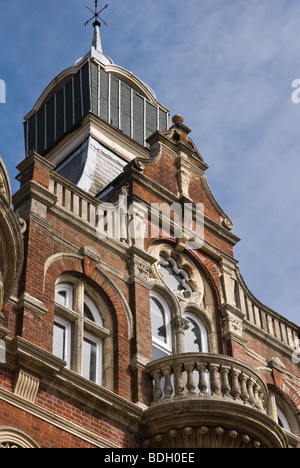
(180, 324)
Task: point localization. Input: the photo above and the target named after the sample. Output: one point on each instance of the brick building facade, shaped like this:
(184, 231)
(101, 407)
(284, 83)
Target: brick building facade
(130, 324)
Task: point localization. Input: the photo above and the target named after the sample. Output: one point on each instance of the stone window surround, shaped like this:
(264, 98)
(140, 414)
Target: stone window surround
(277, 405)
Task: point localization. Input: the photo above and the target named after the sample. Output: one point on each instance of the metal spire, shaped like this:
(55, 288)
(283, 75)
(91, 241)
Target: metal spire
(97, 23)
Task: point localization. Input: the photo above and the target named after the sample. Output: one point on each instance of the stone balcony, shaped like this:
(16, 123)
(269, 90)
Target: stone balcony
(208, 400)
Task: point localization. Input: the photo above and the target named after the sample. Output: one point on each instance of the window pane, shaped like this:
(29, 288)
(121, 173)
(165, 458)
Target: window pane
(59, 341)
(282, 420)
(192, 338)
(64, 295)
(61, 297)
(91, 311)
(88, 314)
(158, 321)
(173, 280)
(89, 360)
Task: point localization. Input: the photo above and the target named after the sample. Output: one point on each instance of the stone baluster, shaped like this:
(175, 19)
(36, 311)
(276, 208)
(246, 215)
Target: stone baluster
(168, 389)
(214, 379)
(225, 387)
(178, 380)
(201, 368)
(261, 400)
(235, 386)
(250, 384)
(244, 391)
(157, 392)
(175, 377)
(190, 385)
(257, 397)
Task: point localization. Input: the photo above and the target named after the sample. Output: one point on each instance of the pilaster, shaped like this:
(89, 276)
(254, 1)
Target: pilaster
(139, 265)
(32, 203)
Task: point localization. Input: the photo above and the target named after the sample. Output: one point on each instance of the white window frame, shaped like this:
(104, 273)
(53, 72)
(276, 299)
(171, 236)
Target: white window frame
(99, 356)
(94, 310)
(165, 347)
(203, 331)
(68, 328)
(284, 420)
(69, 289)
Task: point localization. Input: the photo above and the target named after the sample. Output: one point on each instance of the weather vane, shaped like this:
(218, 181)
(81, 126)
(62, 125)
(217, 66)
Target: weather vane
(96, 14)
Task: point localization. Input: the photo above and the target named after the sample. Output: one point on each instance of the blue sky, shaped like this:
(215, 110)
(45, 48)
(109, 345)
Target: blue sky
(227, 66)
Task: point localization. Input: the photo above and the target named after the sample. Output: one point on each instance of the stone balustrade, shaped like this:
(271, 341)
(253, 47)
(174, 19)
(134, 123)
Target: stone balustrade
(206, 376)
(107, 220)
(261, 317)
(74, 201)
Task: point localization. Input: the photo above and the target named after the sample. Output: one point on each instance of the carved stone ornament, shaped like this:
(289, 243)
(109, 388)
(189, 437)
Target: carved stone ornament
(234, 325)
(5, 188)
(192, 281)
(227, 223)
(233, 320)
(23, 225)
(11, 241)
(6, 445)
(140, 269)
(155, 156)
(183, 175)
(202, 437)
(13, 438)
(139, 264)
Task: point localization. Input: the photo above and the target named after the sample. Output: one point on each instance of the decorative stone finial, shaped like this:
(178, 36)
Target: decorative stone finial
(177, 119)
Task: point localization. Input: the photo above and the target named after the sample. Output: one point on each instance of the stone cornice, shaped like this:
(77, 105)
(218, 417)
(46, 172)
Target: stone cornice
(52, 374)
(55, 420)
(33, 190)
(30, 302)
(268, 339)
(34, 157)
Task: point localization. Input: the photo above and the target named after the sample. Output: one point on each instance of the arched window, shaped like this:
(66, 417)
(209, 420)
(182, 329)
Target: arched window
(282, 412)
(185, 320)
(282, 419)
(161, 326)
(195, 337)
(79, 335)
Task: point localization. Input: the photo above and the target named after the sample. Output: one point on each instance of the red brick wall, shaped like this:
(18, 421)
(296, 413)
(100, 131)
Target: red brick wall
(47, 435)
(40, 283)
